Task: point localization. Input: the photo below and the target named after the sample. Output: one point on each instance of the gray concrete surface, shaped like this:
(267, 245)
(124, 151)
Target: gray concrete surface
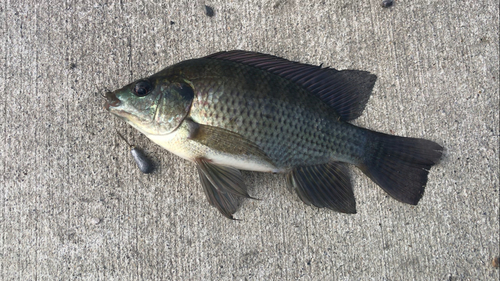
(74, 206)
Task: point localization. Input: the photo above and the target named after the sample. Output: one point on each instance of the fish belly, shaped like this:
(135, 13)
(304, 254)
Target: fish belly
(179, 144)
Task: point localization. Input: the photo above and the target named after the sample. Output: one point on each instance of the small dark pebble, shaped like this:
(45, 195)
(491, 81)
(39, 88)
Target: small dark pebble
(495, 262)
(209, 11)
(387, 3)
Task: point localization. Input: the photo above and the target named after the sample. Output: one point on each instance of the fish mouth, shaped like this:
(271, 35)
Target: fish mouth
(111, 100)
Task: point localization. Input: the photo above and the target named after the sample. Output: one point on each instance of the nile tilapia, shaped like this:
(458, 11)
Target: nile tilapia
(240, 110)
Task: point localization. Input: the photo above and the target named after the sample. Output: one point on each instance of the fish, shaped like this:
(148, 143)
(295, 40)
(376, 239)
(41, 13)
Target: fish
(240, 110)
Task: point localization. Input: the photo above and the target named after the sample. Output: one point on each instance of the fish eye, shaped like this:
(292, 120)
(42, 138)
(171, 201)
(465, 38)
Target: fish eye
(142, 88)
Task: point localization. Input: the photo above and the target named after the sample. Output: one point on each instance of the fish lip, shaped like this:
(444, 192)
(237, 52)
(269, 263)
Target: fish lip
(112, 100)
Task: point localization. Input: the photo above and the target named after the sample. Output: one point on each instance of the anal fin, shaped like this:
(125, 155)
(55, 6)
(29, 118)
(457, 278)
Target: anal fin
(324, 186)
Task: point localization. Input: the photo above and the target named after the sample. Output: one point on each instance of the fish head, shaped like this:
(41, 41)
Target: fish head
(154, 106)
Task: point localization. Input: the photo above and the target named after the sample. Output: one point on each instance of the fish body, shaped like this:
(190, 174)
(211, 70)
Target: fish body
(290, 127)
(241, 110)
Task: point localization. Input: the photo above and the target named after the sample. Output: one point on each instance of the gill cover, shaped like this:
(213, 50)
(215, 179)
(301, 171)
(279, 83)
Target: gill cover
(173, 106)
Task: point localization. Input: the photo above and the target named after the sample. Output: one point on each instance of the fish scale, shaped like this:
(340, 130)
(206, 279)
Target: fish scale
(245, 110)
(298, 117)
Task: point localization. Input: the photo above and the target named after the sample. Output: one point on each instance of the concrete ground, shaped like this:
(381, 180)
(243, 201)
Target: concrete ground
(73, 205)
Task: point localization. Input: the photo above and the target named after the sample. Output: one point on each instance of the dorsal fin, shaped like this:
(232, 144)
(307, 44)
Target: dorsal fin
(346, 91)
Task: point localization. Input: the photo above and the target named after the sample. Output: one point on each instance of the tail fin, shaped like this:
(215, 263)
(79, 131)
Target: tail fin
(400, 165)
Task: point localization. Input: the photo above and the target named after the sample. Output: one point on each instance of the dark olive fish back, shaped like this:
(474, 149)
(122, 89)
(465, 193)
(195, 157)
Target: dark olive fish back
(292, 126)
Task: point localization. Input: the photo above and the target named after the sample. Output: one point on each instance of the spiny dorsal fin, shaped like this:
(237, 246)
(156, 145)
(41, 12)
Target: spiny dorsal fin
(346, 91)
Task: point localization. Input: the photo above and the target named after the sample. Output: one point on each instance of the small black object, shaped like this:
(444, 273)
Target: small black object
(143, 162)
(209, 11)
(387, 3)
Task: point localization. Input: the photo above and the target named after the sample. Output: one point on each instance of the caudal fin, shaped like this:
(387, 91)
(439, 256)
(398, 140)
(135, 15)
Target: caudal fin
(400, 165)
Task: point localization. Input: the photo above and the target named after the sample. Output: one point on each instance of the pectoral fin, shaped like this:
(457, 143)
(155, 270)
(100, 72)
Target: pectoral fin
(225, 202)
(224, 140)
(324, 186)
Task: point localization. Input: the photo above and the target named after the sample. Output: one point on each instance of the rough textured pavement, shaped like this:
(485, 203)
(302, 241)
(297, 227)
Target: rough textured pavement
(73, 205)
